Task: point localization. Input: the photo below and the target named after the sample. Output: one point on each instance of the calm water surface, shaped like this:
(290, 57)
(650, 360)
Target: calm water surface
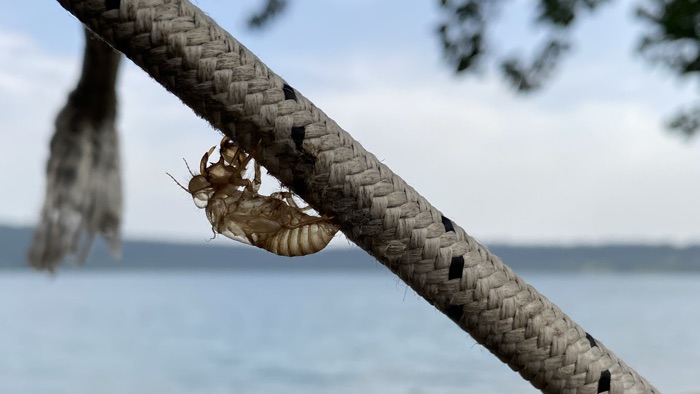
(230, 332)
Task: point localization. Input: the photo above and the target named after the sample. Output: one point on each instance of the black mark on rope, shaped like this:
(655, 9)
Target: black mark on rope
(112, 4)
(591, 340)
(298, 134)
(455, 312)
(448, 224)
(456, 267)
(289, 93)
(604, 382)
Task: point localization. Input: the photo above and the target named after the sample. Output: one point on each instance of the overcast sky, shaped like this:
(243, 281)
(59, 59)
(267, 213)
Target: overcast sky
(584, 160)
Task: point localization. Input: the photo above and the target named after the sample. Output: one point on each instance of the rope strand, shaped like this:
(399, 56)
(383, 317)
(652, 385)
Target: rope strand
(226, 84)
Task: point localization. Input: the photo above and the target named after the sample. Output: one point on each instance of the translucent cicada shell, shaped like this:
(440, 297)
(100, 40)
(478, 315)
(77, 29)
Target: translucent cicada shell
(236, 210)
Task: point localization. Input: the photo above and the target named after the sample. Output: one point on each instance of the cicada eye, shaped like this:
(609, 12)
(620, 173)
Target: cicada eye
(201, 199)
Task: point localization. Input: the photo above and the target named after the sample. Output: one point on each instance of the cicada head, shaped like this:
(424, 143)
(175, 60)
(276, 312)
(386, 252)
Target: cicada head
(201, 190)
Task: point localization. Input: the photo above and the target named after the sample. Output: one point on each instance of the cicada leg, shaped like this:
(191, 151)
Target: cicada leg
(255, 186)
(288, 197)
(203, 162)
(230, 153)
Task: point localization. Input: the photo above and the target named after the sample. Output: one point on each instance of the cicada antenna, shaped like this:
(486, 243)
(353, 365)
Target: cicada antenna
(188, 168)
(178, 183)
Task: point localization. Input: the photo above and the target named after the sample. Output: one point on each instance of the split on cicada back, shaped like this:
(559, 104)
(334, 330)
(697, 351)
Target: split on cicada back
(236, 209)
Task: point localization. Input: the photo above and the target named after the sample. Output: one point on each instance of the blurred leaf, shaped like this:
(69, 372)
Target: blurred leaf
(271, 10)
(462, 31)
(562, 13)
(685, 123)
(675, 37)
(528, 78)
(674, 42)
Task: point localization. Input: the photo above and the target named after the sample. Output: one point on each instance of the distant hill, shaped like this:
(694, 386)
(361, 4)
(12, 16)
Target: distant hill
(152, 255)
(149, 255)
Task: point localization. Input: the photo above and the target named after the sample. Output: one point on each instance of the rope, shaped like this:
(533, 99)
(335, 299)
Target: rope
(223, 82)
(83, 182)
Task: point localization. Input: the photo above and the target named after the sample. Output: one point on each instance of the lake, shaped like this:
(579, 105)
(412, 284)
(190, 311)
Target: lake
(222, 332)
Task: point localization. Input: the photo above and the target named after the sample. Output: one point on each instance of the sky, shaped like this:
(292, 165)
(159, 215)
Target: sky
(585, 160)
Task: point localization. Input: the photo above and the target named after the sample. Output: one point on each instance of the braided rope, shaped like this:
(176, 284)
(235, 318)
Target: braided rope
(223, 82)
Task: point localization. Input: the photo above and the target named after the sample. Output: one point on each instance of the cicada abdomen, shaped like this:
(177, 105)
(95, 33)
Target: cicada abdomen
(302, 240)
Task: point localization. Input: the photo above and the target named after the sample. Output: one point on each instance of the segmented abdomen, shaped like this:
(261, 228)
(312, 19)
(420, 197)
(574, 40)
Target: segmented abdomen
(302, 240)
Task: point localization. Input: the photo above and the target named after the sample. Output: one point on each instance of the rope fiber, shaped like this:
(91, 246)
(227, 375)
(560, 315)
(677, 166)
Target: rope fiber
(226, 84)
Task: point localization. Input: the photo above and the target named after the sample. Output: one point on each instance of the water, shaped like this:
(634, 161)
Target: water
(229, 332)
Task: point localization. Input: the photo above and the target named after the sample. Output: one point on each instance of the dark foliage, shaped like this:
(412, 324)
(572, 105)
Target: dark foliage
(463, 32)
(674, 42)
(527, 78)
(685, 123)
(563, 12)
(674, 39)
(262, 18)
